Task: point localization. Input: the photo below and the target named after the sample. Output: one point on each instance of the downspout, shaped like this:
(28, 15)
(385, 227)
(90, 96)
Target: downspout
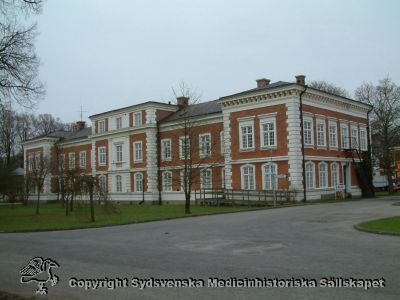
(159, 164)
(370, 153)
(302, 143)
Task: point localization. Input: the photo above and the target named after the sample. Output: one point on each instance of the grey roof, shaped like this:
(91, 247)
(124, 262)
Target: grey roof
(132, 106)
(269, 86)
(67, 135)
(194, 110)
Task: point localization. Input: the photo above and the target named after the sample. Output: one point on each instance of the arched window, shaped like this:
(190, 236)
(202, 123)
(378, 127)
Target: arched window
(102, 183)
(323, 174)
(167, 181)
(206, 179)
(138, 182)
(334, 174)
(248, 177)
(309, 175)
(270, 176)
(118, 183)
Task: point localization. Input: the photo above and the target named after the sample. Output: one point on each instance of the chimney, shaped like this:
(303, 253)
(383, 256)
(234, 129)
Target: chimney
(182, 101)
(262, 83)
(301, 79)
(79, 125)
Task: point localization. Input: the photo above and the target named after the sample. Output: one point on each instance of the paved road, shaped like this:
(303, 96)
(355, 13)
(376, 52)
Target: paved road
(309, 241)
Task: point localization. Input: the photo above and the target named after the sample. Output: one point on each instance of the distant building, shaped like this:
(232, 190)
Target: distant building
(250, 140)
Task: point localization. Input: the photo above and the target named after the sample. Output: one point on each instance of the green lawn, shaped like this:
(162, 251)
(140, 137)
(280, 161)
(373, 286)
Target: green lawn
(386, 225)
(15, 218)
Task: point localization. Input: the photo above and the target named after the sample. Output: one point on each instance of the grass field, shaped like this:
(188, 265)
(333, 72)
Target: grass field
(15, 218)
(386, 225)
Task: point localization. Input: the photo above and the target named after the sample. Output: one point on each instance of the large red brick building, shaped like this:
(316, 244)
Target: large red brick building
(281, 135)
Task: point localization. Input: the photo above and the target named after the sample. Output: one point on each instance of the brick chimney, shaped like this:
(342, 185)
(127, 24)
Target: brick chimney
(301, 79)
(262, 83)
(182, 101)
(80, 125)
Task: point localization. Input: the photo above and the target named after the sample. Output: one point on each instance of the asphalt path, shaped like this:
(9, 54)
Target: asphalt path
(295, 244)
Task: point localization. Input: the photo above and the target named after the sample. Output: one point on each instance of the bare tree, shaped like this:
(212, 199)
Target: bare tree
(19, 64)
(7, 133)
(329, 88)
(385, 126)
(194, 157)
(40, 171)
(46, 123)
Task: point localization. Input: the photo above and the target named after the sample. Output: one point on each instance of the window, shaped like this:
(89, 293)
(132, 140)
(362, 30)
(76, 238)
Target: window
(345, 136)
(118, 152)
(248, 177)
(166, 149)
(118, 123)
(185, 179)
(102, 156)
(138, 151)
(30, 162)
(222, 140)
(138, 182)
(118, 183)
(270, 176)
(206, 179)
(61, 162)
(167, 181)
(354, 137)
(102, 126)
(82, 159)
(323, 175)
(309, 175)
(223, 177)
(38, 160)
(363, 139)
(321, 141)
(332, 135)
(334, 174)
(246, 135)
(71, 160)
(184, 147)
(308, 132)
(102, 183)
(205, 144)
(268, 133)
(137, 118)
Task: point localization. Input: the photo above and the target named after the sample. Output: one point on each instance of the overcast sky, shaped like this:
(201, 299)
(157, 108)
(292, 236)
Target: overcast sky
(110, 54)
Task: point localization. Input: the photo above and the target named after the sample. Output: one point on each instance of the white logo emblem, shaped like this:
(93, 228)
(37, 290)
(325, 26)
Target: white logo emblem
(39, 270)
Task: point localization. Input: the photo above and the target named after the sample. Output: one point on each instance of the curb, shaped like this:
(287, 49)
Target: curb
(381, 232)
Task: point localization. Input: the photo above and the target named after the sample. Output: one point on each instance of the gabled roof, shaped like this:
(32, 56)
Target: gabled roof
(195, 110)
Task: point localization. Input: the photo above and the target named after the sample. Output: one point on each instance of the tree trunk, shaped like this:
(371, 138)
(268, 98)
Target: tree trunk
(37, 201)
(66, 206)
(187, 203)
(71, 202)
(91, 203)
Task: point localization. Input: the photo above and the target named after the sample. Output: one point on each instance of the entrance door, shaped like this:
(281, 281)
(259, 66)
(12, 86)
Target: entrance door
(346, 177)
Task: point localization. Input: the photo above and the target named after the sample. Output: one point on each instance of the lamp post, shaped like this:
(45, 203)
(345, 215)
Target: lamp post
(272, 176)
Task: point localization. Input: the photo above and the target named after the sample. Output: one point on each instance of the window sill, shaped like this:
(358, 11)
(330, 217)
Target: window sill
(247, 150)
(322, 148)
(309, 146)
(268, 147)
(166, 159)
(138, 161)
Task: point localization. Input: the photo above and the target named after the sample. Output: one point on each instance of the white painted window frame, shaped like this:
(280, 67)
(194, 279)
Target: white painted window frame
(137, 119)
(308, 184)
(203, 149)
(321, 143)
(263, 121)
(242, 124)
(138, 184)
(138, 151)
(202, 179)
(82, 159)
(325, 177)
(102, 155)
(163, 150)
(273, 181)
(181, 144)
(311, 121)
(334, 125)
(71, 160)
(252, 174)
(167, 188)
